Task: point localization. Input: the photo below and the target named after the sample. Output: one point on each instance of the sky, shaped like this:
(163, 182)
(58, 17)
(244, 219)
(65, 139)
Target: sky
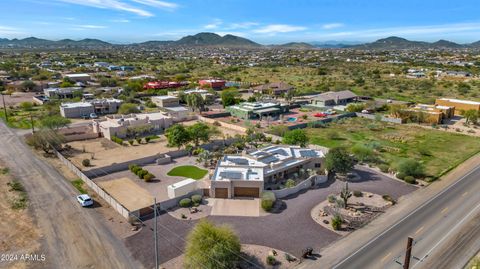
(263, 21)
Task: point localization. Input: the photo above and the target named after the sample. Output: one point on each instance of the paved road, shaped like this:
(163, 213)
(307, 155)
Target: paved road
(72, 237)
(291, 230)
(432, 225)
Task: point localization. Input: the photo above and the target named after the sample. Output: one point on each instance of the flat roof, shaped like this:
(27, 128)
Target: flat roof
(460, 101)
(77, 75)
(74, 105)
(164, 97)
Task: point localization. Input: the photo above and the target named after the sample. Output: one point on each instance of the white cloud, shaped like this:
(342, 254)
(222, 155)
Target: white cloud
(214, 25)
(158, 4)
(121, 20)
(7, 31)
(90, 26)
(278, 28)
(241, 25)
(329, 26)
(110, 4)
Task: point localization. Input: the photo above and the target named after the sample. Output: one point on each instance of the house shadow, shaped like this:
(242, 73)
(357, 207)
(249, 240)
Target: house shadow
(250, 261)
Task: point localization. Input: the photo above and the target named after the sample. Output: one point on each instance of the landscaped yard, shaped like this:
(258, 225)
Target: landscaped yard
(437, 150)
(188, 171)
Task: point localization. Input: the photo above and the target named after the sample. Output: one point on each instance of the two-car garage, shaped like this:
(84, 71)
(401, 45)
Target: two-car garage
(246, 192)
(236, 189)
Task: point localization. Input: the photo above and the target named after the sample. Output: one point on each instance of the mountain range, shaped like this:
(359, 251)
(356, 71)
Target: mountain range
(215, 40)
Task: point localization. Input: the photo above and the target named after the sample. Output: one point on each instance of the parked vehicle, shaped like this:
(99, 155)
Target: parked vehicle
(84, 200)
(93, 116)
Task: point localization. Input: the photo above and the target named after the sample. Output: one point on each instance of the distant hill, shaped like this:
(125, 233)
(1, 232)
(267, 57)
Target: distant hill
(211, 39)
(215, 40)
(294, 45)
(393, 42)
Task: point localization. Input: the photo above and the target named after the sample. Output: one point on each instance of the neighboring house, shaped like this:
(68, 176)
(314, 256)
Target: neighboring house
(458, 74)
(63, 93)
(334, 98)
(178, 113)
(122, 125)
(216, 84)
(162, 84)
(206, 95)
(274, 88)
(101, 64)
(248, 174)
(459, 105)
(85, 108)
(257, 110)
(166, 101)
(78, 77)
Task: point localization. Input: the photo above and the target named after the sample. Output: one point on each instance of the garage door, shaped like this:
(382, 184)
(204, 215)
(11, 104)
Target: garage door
(246, 192)
(221, 193)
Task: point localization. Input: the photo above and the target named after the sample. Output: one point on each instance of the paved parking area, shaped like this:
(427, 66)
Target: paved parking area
(235, 207)
(291, 230)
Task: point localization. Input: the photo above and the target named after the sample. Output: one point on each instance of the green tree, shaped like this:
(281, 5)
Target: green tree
(296, 137)
(27, 106)
(28, 85)
(209, 246)
(229, 97)
(199, 132)
(363, 153)
(128, 108)
(54, 122)
(471, 116)
(355, 107)
(195, 101)
(45, 140)
(177, 136)
(338, 160)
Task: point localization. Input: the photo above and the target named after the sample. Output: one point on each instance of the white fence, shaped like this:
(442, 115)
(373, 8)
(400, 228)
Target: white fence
(105, 196)
(307, 183)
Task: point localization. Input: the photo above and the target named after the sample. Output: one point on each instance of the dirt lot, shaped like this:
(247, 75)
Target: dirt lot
(18, 97)
(126, 192)
(18, 232)
(106, 152)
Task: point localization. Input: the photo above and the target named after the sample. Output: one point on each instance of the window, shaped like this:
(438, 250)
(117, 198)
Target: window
(318, 165)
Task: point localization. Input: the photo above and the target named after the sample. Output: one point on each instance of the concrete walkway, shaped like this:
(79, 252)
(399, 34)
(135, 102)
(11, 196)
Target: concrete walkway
(235, 207)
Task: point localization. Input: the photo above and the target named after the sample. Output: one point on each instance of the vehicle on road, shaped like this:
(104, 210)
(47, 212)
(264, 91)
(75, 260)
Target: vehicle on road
(84, 200)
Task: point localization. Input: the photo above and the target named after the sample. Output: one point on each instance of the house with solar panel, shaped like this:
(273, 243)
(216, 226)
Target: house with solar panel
(248, 174)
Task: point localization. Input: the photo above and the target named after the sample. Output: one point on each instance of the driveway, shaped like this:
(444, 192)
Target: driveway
(291, 230)
(235, 207)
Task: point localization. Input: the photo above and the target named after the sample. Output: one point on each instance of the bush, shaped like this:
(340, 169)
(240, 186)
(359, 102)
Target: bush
(196, 198)
(268, 200)
(86, 162)
(289, 258)
(147, 139)
(384, 168)
(130, 142)
(271, 260)
(135, 169)
(401, 175)
(290, 183)
(388, 198)
(336, 223)
(132, 166)
(411, 167)
(185, 202)
(141, 173)
(117, 140)
(331, 198)
(410, 180)
(148, 177)
(357, 193)
(206, 241)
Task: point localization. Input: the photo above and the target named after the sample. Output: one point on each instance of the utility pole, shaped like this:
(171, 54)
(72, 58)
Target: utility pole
(155, 231)
(406, 264)
(4, 107)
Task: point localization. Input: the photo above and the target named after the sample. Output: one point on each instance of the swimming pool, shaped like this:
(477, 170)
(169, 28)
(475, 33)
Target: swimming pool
(291, 119)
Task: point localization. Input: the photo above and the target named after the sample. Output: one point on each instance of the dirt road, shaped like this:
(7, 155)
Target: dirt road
(71, 236)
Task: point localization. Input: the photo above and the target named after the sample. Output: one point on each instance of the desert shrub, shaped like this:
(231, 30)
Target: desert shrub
(401, 175)
(331, 198)
(135, 169)
(147, 139)
(410, 180)
(196, 198)
(340, 203)
(384, 168)
(411, 167)
(357, 193)
(388, 198)
(290, 183)
(130, 142)
(141, 173)
(271, 260)
(289, 258)
(216, 123)
(86, 162)
(117, 140)
(139, 140)
(132, 167)
(185, 202)
(268, 200)
(336, 222)
(148, 177)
